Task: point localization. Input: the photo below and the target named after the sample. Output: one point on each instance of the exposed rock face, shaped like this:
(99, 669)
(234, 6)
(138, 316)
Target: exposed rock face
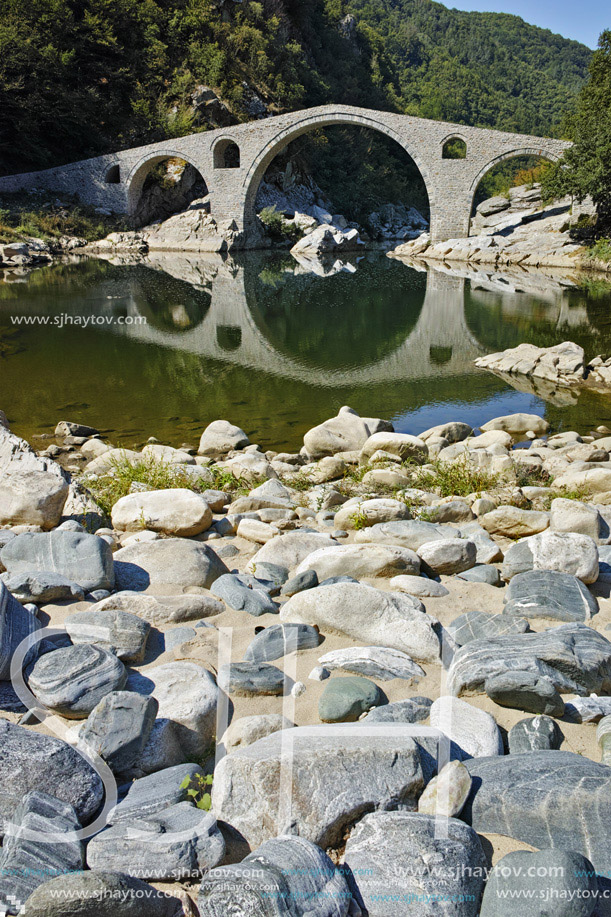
(546, 799)
(367, 615)
(30, 761)
(382, 840)
(377, 772)
(82, 558)
(575, 658)
(282, 869)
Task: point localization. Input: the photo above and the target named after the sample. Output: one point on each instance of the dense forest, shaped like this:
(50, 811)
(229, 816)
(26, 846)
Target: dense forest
(79, 77)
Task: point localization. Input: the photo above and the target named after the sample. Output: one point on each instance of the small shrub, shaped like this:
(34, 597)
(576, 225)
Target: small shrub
(359, 519)
(196, 787)
(458, 478)
(601, 250)
(279, 229)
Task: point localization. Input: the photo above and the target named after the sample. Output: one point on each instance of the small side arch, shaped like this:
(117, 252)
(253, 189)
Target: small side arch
(112, 176)
(539, 152)
(226, 154)
(454, 147)
(136, 178)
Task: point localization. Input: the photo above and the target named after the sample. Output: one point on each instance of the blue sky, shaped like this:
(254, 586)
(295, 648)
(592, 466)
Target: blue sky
(583, 21)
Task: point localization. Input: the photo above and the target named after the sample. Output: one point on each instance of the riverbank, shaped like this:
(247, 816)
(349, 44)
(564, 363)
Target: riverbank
(351, 569)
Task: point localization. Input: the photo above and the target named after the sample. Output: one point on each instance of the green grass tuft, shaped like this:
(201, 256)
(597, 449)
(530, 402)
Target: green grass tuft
(458, 478)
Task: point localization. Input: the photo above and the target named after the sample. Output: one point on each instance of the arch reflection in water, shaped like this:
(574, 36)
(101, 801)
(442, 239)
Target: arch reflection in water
(278, 346)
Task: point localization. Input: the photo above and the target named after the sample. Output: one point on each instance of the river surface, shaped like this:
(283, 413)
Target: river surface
(162, 347)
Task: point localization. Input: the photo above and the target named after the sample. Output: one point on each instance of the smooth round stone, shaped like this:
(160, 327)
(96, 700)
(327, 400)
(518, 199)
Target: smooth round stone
(446, 793)
(279, 640)
(306, 580)
(418, 585)
(540, 733)
(74, 680)
(379, 662)
(247, 679)
(558, 882)
(177, 636)
(482, 573)
(412, 710)
(97, 893)
(344, 700)
(242, 597)
(525, 691)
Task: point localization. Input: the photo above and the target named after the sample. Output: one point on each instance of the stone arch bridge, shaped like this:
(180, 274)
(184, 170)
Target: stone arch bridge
(233, 160)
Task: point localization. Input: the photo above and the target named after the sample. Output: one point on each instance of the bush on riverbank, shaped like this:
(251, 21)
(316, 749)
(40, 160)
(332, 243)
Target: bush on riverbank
(45, 216)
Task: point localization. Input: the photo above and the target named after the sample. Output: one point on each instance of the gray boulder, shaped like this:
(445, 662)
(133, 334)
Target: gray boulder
(477, 625)
(549, 594)
(42, 587)
(247, 679)
(345, 433)
(524, 691)
(538, 878)
(118, 728)
(177, 843)
(284, 877)
(32, 498)
(289, 550)
(382, 840)
(167, 562)
(575, 658)
(546, 799)
(408, 533)
(121, 633)
(242, 597)
(27, 859)
(344, 700)
(448, 555)
(187, 694)
(473, 733)
(73, 680)
(154, 793)
(81, 558)
(412, 710)
(16, 624)
(541, 733)
(100, 894)
(367, 615)
(279, 640)
(373, 661)
(377, 772)
(30, 761)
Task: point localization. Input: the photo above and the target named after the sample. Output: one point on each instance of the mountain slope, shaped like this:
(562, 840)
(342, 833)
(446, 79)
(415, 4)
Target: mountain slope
(79, 77)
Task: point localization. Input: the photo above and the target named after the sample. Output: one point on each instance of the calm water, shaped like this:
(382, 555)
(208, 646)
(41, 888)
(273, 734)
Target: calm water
(264, 342)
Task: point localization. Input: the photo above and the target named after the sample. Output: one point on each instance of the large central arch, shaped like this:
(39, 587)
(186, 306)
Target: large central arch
(134, 182)
(281, 140)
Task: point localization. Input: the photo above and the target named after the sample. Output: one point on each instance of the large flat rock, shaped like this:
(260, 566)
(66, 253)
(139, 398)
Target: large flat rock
(575, 658)
(367, 615)
(546, 799)
(79, 557)
(315, 780)
(167, 562)
(549, 594)
(30, 761)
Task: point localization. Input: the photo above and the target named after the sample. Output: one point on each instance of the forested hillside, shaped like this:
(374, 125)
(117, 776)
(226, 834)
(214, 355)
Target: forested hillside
(79, 77)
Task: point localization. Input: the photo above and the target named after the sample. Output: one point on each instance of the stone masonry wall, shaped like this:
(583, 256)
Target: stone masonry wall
(451, 183)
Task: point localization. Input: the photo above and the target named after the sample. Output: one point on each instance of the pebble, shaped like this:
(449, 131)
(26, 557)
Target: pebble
(446, 794)
(537, 734)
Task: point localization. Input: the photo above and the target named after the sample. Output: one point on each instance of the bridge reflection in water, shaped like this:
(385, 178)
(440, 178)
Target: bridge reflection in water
(274, 345)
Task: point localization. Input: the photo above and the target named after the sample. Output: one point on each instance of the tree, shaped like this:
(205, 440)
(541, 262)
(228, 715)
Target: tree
(585, 169)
